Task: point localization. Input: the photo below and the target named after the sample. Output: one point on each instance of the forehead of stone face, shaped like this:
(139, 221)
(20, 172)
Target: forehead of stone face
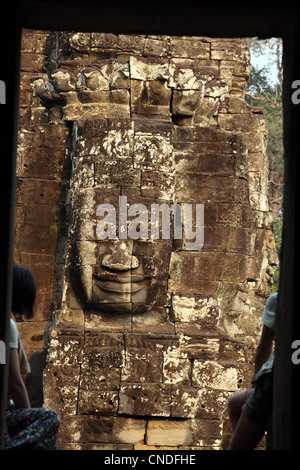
(125, 153)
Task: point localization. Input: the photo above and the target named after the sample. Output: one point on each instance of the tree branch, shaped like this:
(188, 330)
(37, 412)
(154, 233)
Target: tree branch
(269, 100)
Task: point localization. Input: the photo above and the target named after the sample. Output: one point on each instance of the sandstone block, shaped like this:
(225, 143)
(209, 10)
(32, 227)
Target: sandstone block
(142, 365)
(112, 110)
(133, 44)
(193, 47)
(242, 122)
(148, 70)
(153, 150)
(157, 184)
(66, 345)
(198, 341)
(107, 138)
(31, 61)
(209, 164)
(145, 399)
(209, 375)
(186, 102)
(198, 286)
(80, 41)
(120, 321)
(48, 157)
(128, 430)
(116, 173)
(176, 368)
(211, 403)
(102, 362)
(63, 385)
(194, 308)
(156, 47)
(185, 402)
(150, 92)
(34, 43)
(84, 172)
(224, 49)
(104, 40)
(169, 433)
(186, 77)
(205, 140)
(102, 403)
(202, 189)
(206, 112)
(97, 429)
(37, 241)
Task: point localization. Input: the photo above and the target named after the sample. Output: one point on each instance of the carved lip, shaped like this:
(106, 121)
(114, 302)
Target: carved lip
(121, 287)
(121, 283)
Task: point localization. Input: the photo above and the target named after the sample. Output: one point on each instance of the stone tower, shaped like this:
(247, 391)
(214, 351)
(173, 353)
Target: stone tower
(143, 338)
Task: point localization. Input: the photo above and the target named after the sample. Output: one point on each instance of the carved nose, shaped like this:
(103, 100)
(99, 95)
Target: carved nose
(120, 258)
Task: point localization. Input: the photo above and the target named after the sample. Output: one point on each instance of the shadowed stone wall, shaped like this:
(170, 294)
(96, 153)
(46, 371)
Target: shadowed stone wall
(143, 339)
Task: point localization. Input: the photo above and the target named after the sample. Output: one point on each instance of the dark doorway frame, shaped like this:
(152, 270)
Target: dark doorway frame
(182, 19)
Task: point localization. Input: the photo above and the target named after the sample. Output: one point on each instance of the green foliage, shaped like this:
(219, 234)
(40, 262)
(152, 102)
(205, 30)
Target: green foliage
(277, 227)
(268, 98)
(266, 94)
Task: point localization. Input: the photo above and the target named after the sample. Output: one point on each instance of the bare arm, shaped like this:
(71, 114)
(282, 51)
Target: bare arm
(16, 386)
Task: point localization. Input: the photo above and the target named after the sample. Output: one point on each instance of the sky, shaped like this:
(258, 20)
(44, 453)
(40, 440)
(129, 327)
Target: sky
(263, 60)
(266, 58)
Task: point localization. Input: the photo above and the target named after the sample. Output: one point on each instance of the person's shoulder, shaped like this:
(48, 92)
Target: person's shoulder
(14, 334)
(271, 302)
(268, 317)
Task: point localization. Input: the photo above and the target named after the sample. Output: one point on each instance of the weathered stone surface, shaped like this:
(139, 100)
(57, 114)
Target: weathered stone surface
(190, 48)
(185, 402)
(169, 432)
(151, 98)
(145, 399)
(153, 147)
(104, 403)
(41, 154)
(195, 308)
(156, 47)
(185, 102)
(209, 140)
(142, 365)
(209, 375)
(149, 70)
(66, 345)
(208, 266)
(157, 119)
(63, 385)
(202, 189)
(103, 359)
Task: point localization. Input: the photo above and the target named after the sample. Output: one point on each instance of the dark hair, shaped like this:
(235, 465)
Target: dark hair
(23, 291)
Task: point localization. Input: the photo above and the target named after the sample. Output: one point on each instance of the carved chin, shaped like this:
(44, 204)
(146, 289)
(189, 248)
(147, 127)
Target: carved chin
(121, 293)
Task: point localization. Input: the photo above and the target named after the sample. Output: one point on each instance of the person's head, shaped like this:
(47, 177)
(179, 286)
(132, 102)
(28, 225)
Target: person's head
(23, 291)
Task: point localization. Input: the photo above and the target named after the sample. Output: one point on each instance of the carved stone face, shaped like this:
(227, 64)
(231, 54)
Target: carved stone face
(119, 265)
(130, 275)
